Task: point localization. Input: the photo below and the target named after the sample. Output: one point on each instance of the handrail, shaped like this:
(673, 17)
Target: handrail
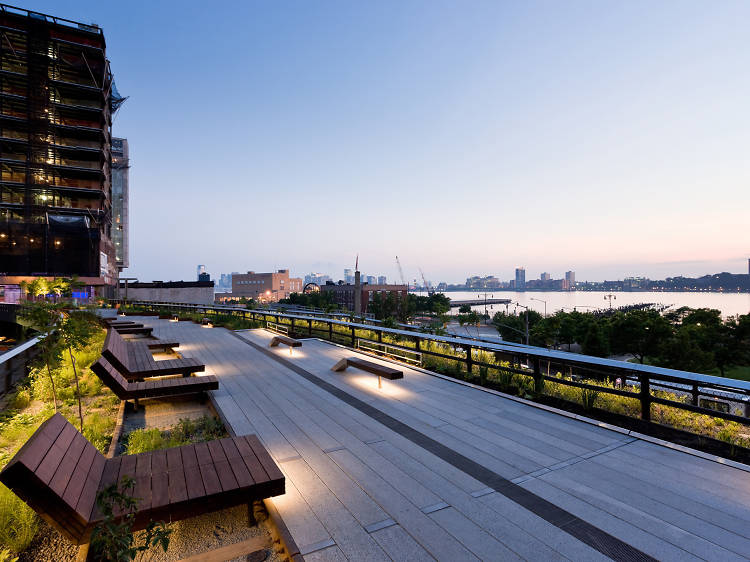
(643, 378)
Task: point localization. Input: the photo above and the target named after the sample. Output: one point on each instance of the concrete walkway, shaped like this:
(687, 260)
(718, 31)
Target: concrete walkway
(425, 468)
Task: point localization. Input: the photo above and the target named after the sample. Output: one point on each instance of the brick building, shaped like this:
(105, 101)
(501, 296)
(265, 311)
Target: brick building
(264, 287)
(344, 294)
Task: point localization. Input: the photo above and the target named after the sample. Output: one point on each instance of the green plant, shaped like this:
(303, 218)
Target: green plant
(113, 540)
(7, 556)
(143, 440)
(588, 398)
(18, 522)
(483, 376)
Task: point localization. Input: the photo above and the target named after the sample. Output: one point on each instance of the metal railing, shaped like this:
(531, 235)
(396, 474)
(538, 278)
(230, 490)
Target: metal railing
(390, 351)
(694, 392)
(14, 364)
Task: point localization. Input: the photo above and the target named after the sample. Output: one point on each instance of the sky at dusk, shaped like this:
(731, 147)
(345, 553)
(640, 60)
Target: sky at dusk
(468, 138)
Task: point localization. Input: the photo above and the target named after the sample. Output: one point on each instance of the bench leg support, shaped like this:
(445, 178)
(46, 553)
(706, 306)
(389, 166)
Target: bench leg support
(251, 520)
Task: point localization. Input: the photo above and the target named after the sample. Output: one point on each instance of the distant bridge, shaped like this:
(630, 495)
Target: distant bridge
(479, 302)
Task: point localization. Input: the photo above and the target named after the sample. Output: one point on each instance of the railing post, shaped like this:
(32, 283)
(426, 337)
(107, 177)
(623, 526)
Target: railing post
(645, 397)
(380, 336)
(309, 327)
(695, 394)
(417, 343)
(353, 337)
(330, 331)
(292, 334)
(469, 360)
(537, 372)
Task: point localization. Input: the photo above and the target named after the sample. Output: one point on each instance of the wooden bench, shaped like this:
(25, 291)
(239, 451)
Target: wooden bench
(286, 340)
(135, 361)
(158, 344)
(370, 367)
(58, 473)
(135, 329)
(127, 390)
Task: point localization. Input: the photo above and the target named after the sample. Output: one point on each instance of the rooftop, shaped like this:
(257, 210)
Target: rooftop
(429, 467)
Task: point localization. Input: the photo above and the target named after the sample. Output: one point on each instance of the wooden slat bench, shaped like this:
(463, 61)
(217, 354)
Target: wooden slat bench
(286, 340)
(135, 361)
(370, 367)
(58, 474)
(126, 390)
(162, 345)
(134, 329)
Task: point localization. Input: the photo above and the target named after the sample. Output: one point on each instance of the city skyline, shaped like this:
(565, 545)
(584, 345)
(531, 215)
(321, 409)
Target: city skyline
(606, 138)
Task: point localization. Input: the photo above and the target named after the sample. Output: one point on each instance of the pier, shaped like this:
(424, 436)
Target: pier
(479, 302)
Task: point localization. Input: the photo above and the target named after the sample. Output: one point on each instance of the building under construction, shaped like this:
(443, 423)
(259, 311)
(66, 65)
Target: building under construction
(57, 98)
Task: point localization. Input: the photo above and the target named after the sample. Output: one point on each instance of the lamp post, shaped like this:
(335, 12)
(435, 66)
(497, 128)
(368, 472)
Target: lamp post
(480, 295)
(610, 296)
(545, 304)
(527, 320)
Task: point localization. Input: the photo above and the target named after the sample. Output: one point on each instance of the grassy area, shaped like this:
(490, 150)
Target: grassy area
(741, 372)
(185, 432)
(29, 406)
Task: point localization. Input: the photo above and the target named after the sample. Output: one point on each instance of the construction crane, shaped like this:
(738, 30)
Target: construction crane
(426, 285)
(401, 273)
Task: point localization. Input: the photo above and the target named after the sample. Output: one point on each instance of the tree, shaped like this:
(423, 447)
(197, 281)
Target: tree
(511, 327)
(639, 332)
(38, 287)
(42, 317)
(595, 341)
(75, 329)
(464, 309)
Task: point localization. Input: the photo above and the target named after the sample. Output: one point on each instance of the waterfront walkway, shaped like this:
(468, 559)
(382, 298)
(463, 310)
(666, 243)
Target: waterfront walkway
(427, 468)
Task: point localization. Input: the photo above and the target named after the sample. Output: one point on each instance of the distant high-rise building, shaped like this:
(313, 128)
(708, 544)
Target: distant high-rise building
(383, 281)
(348, 276)
(204, 277)
(120, 198)
(570, 280)
(545, 276)
(317, 278)
(200, 269)
(371, 280)
(520, 284)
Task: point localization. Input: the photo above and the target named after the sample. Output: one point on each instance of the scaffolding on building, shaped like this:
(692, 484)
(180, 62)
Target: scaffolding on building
(57, 97)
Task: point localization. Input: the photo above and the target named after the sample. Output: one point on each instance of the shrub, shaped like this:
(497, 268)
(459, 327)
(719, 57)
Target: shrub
(588, 398)
(143, 440)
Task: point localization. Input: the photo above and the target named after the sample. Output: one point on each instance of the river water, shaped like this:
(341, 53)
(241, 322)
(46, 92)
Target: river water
(730, 304)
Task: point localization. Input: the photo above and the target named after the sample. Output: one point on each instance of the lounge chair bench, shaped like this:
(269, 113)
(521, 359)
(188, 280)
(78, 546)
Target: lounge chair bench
(135, 361)
(286, 340)
(58, 473)
(135, 329)
(126, 390)
(370, 367)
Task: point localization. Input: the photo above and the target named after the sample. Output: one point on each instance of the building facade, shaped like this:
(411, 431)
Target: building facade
(57, 97)
(195, 292)
(120, 201)
(345, 294)
(264, 287)
(520, 281)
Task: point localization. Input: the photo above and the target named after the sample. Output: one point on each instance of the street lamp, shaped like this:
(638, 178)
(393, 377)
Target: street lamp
(480, 295)
(527, 320)
(545, 304)
(610, 296)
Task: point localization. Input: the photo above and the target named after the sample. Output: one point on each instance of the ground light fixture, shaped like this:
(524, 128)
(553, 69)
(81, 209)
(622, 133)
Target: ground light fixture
(175, 318)
(206, 323)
